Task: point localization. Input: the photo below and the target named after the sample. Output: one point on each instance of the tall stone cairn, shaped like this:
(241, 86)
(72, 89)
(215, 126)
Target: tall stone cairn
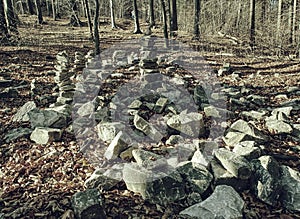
(62, 78)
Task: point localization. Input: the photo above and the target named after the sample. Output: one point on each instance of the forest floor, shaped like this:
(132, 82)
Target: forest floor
(35, 182)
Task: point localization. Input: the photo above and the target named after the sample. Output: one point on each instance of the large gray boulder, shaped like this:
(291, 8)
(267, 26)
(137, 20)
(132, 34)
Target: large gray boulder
(47, 118)
(236, 165)
(225, 203)
(88, 204)
(190, 124)
(145, 127)
(157, 187)
(243, 131)
(197, 177)
(290, 183)
(105, 179)
(266, 179)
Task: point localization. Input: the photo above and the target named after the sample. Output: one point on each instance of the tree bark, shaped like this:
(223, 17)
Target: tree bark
(151, 13)
(53, 10)
(197, 19)
(278, 21)
(88, 14)
(30, 7)
(174, 16)
(11, 19)
(137, 29)
(252, 23)
(96, 28)
(112, 14)
(290, 22)
(294, 22)
(3, 26)
(164, 14)
(39, 11)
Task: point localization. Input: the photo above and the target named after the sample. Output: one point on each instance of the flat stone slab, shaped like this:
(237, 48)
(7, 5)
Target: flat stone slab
(22, 114)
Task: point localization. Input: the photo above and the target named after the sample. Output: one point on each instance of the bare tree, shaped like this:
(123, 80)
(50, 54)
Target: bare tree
(197, 19)
(74, 19)
(30, 7)
(11, 18)
(164, 14)
(96, 28)
(151, 13)
(174, 26)
(53, 9)
(112, 14)
(252, 23)
(137, 29)
(39, 11)
(88, 14)
(3, 26)
(294, 22)
(278, 21)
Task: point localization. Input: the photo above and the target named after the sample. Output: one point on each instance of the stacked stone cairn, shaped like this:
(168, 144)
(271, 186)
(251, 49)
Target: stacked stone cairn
(62, 78)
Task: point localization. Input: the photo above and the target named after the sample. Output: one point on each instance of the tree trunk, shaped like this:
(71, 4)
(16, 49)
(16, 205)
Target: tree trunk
(112, 14)
(3, 26)
(88, 13)
(174, 16)
(96, 28)
(238, 17)
(11, 19)
(74, 19)
(197, 19)
(137, 29)
(151, 13)
(164, 14)
(170, 17)
(53, 10)
(278, 21)
(48, 8)
(263, 12)
(39, 11)
(30, 7)
(252, 23)
(294, 22)
(290, 22)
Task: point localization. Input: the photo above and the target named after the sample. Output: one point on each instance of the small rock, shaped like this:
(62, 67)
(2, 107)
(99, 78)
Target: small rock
(22, 114)
(88, 204)
(45, 135)
(117, 145)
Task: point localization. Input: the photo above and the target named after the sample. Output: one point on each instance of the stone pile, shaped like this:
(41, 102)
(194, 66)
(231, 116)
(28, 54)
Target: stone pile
(6, 91)
(62, 78)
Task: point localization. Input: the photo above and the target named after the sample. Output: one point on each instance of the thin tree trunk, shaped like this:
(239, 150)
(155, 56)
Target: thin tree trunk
(278, 21)
(294, 22)
(252, 23)
(30, 7)
(151, 13)
(88, 13)
(11, 19)
(174, 16)
(263, 11)
(197, 19)
(96, 28)
(112, 14)
(137, 29)
(3, 26)
(170, 17)
(238, 17)
(164, 14)
(39, 11)
(53, 10)
(290, 22)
